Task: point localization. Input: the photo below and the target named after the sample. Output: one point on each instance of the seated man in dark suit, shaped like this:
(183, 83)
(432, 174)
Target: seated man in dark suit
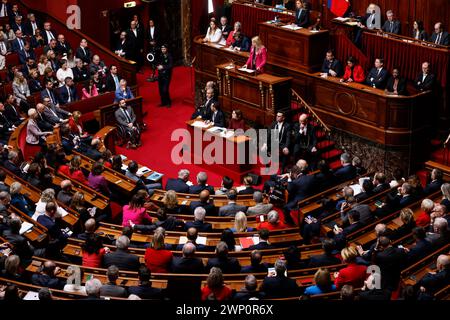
(111, 289)
(249, 292)
(204, 111)
(248, 186)
(192, 235)
(47, 277)
(230, 209)
(223, 261)
(331, 66)
(89, 229)
(204, 203)
(179, 184)
(12, 164)
(80, 72)
(198, 223)
(145, 290)
(347, 171)
(354, 222)
(126, 119)
(439, 36)
(280, 285)
(436, 182)
(217, 117)
(425, 80)
(378, 75)
(21, 246)
(241, 42)
(432, 282)
(68, 92)
(391, 25)
(328, 258)
(48, 220)
(18, 43)
(256, 266)
(11, 110)
(379, 183)
(121, 258)
(188, 263)
(421, 247)
(263, 241)
(48, 92)
(27, 53)
(202, 179)
(301, 14)
(396, 85)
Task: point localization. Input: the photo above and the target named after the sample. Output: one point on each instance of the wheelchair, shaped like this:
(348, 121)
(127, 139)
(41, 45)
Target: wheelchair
(124, 136)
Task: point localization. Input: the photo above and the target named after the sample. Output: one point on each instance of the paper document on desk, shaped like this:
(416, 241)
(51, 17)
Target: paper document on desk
(356, 189)
(291, 27)
(216, 45)
(354, 23)
(124, 158)
(31, 295)
(155, 176)
(142, 170)
(227, 134)
(246, 70)
(314, 31)
(230, 66)
(25, 227)
(216, 130)
(200, 124)
(240, 188)
(63, 212)
(341, 19)
(199, 240)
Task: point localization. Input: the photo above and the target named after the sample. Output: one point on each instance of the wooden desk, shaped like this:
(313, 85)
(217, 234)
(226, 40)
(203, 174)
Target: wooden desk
(259, 96)
(301, 49)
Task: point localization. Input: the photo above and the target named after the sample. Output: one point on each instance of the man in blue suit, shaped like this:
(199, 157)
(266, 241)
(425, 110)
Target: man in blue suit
(210, 209)
(49, 93)
(440, 36)
(202, 179)
(436, 182)
(198, 223)
(434, 281)
(378, 75)
(68, 92)
(18, 43)
(179, 184)
(347, 171)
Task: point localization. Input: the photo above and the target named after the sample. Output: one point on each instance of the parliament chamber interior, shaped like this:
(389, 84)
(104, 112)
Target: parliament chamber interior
(202, 150)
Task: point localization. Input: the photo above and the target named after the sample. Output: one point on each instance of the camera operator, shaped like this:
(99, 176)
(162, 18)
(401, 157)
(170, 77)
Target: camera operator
(300, 186)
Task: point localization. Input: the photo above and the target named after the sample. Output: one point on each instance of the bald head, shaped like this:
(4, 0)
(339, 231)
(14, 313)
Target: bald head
(302, 164)
(188, 250)
(191, 234)
(89, 225)
(303, 119)
(66, 184)
(380, 229)
(443, 262)
(204, 196)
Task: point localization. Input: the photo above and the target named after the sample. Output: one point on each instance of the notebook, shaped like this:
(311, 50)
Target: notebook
(25, 227)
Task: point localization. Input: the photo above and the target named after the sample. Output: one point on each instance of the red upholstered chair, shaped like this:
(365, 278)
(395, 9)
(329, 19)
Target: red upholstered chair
(28, 150)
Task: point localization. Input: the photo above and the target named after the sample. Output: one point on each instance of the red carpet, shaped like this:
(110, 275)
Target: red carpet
(161, 122)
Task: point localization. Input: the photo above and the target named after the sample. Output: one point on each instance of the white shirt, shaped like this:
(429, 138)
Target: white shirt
(152, 31)
(34, 26)
(303, 130)
(49, 35)
(3, 10)
(424, 77)
(215, 37)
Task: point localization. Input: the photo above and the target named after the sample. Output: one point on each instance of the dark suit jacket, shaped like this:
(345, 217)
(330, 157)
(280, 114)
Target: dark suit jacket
(396, 27)
(302, 19)
(50, 94)
(427, 84)
(11, 113)
(209, 208)
(391, 262)
(15, 46)
(199, 225)
(80, 74)
(418, 251)
(433, 186)
(322, 260)
(284, 135)
(336, 66)
(381, 187)
(301, 187)
(262, 267)
(13, 168)
(35, 86)
(401, 87)
(177, 185)
(444, 38)
(110, 83)
(121, 259)
(64, 94)
(156, 36)
(84, 56)
(231, 209)
(219, 119)
(377, 79)
(23, 56)
(248, 190)
(29, 28)
(204, 110)
(435, 282)
(345, 173)
(112, 290)
(199, 188)
(301, 140)
(260, 246)
(279, 287)
(187, 265)
(20, 244)
(44, 35)
(145, 292)
(230, 265)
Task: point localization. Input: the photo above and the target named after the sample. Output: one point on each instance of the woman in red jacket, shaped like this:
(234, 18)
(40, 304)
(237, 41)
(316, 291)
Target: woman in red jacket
(73, 170)
(93, 251)
(353, 274)
(258, 56)
(273, 222)
(215, 288)
(157, 258)
(353, 72)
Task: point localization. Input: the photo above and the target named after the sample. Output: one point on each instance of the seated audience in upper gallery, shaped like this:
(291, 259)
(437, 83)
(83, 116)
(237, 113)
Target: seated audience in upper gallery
(258, 56)
(240, 42)
(378, 75)
(418, 31)
(301, 14)
(214, 34)
(331, 66)
(391, 25)
(353, 71)
(396, 85)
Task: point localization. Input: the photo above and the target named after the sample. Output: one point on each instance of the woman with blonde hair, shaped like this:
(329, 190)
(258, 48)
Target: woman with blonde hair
(407, 218)
(21, 90)
(214, 34)
(445, 188)
(258, 56)
(215, 288)
(157, 258)
(48, 195)
(323, 283)
(353, 274)
(240, 223)
(170, 203)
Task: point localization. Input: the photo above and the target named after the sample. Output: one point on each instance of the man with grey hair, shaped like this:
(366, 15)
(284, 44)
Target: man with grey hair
(198, 223)
(279, 285)
(121, 257)
(223, 261)
(188, 263)
(432, 282)
(5, 200)
(180, 184)
(347, 171)
(111, 289)
(436, 182)
(65, 195)
(440, 234)
(202, 179)
(391, 25)
(249, 292)
(230, 209)
(12, 164)
(259, 207)
(80, 72)
(93, 287)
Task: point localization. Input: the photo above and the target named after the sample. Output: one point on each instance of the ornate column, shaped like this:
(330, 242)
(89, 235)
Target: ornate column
(186, 26)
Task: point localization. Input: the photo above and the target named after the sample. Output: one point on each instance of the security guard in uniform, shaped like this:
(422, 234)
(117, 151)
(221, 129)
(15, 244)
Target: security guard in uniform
(164, 76)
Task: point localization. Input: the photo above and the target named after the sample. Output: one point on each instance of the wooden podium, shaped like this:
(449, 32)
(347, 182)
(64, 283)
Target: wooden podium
(258, 96)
